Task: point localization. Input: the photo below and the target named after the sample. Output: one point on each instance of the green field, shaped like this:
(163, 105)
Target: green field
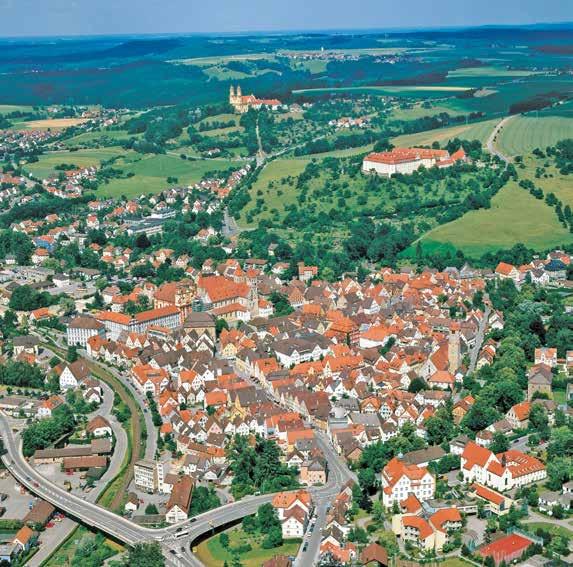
(476, 131)
(8, 108)
(151, 172)
(83, 158)
(523, 134)
(274, 172)
(515, 216)
(419, 110)
(212, 554)
(102, 138)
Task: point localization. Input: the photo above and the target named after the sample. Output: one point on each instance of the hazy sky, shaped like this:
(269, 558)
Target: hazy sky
(70, 17)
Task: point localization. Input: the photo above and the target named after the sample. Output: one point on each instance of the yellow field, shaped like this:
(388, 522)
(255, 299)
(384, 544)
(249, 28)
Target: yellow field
(53, 123)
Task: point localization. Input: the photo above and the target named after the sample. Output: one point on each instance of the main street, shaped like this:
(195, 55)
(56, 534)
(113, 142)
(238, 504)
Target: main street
(176, 540)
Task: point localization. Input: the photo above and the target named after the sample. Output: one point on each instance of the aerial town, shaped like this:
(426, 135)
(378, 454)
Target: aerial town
(327, 323)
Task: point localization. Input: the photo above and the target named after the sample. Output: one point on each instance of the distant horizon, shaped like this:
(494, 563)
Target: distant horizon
(81, 18)
(292, 31)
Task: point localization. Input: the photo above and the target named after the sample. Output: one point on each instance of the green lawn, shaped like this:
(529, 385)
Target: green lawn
(212, 554)
(552, 528)
(515, 216)
(523, 134)
(476, 131)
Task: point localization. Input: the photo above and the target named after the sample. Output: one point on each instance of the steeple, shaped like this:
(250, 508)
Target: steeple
(239, 92)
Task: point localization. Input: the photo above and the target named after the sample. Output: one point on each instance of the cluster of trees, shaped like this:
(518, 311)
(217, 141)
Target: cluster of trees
(41, 434)
(156, 416)
(563, 155)
(21, 375)
(267, 523)
(203, 499)
(26, 298)
(258, 467)
(91, 551)
(17, 244)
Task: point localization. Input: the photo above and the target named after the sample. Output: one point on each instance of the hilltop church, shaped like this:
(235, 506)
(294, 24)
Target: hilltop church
(243, 104)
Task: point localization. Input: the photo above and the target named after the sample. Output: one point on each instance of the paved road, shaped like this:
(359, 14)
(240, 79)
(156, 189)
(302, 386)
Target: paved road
(53, 537)
(479, 340)
(490, 144)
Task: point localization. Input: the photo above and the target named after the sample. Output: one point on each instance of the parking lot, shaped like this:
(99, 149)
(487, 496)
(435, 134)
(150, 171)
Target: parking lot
(17, 503)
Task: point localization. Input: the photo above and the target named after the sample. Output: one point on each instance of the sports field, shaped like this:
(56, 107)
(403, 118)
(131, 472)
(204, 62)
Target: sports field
(515, 216)
(523, 134)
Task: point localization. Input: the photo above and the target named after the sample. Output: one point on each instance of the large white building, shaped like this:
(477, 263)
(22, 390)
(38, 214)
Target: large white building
(83, 328)
(399, 480)
(117, 323)
(408, 160)
(504, 471)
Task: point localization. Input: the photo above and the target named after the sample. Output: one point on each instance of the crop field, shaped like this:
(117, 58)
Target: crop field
(83, 158)
(50, 124)
(525, 133)
(221, 60)
(488, 71)
(476, 131)
(414, 91)
(515, 216)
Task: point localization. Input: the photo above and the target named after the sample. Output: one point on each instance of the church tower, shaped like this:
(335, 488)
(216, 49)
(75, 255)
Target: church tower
(231, 95)
(454, 350)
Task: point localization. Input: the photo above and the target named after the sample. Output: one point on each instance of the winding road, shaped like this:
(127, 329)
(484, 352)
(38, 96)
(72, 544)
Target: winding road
(490, 144)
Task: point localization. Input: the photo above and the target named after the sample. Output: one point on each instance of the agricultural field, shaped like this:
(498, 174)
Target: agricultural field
(413, 91)
(489, 71)
(523, 134)
(48, 124)
(476, 131)
(212, 554)
(515, 216)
